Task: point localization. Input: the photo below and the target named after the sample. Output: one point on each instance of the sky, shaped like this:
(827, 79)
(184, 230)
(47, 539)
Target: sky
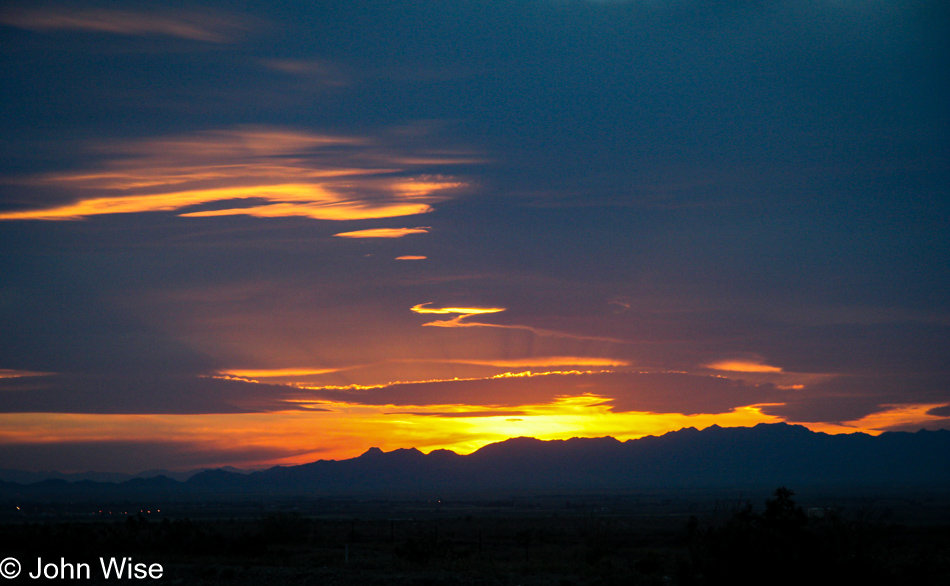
(268, 232)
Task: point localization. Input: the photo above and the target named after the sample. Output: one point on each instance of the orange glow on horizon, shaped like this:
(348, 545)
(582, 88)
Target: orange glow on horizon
(344, 430)
(876, 423)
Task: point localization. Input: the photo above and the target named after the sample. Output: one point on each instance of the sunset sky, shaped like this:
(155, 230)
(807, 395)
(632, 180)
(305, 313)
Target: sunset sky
(250, 233)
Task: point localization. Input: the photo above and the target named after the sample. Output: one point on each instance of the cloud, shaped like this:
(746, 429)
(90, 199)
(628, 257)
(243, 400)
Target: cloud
(196, 26)
(411, 257)
(262, 172)
(464, 311)
(13, 373)
(547, 361)
(941, 411)
(743, 366)
(138, 394)
(456, 414)
(903, 417)
(623, 391)
(326, 73)
(276, 372)
(385, 233)
(845, 399)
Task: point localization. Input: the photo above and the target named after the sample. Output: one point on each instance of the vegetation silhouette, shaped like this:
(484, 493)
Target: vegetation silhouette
(582, 541)
(782, 545)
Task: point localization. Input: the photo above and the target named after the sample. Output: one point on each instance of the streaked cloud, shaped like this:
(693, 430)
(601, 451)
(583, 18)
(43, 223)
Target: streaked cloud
(13, 373)
(466, 312)
(411, 257)
(659, 392)
(262, 172)
(276, 372)
(385, 233)
(323, 72)
(196, 26)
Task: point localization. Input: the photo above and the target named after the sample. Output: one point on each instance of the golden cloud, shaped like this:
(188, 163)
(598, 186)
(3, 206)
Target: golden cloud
(276, 372)
(743, 366)
(421, 308)
(547, 361)
(261, 172)
(384, 233)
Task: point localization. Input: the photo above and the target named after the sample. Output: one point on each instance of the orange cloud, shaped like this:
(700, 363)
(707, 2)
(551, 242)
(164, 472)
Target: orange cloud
(464, 311)
(914, 416)
(743, 366)
(277, 372)
(547, 361)
(384, 233)
(411, 257)
(261, 172)
(196, 26)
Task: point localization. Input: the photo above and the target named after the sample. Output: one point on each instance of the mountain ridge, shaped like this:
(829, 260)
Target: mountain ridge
(762, 455)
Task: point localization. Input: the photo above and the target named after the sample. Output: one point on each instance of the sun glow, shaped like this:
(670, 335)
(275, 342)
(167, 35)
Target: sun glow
(345, 430)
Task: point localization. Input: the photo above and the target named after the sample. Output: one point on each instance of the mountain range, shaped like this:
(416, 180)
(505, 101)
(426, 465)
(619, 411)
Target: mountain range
(766, 455)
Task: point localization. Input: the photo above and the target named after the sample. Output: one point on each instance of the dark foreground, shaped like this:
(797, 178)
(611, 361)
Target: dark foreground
(529, 540)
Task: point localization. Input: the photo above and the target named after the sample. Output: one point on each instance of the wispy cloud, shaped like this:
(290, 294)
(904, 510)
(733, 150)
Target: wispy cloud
(262, 172)
(466, 312)
(192, 25)
(411, 257)
(13, 373)
(384, 233)
(323, 72)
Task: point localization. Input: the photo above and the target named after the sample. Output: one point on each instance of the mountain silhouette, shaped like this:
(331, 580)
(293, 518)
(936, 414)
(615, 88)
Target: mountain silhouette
(766, 455)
